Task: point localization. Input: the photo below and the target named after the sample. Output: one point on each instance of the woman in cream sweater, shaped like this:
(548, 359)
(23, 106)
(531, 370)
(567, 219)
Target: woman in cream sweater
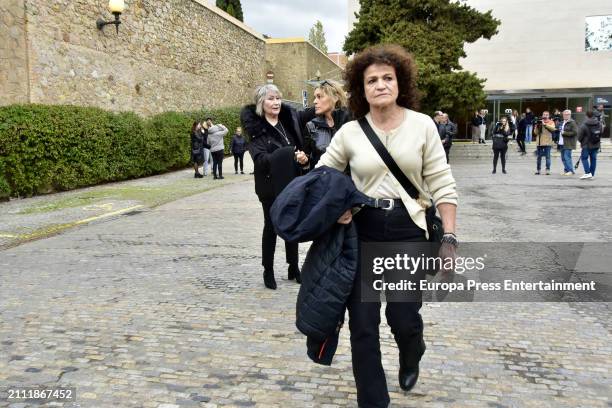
(381, 84)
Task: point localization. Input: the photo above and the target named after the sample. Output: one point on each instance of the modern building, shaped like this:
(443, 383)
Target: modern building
(547, 54)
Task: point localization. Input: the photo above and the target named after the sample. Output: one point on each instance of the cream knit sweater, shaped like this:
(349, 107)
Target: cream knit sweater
(415, 146)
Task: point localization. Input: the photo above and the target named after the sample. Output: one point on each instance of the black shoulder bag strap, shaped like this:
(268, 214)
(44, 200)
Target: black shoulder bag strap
(434, 223)
(391, 164)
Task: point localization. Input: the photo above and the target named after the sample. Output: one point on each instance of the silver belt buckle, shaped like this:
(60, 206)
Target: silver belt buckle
(389, 201)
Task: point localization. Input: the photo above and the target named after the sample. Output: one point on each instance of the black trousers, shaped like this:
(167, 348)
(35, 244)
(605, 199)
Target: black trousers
(238, 157)
(217, 163)
(497, 153)
(447, 151)
(521, 143)
(364, 317)
(268, 242)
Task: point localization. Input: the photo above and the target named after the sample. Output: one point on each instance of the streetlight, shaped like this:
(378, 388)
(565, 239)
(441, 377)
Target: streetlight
(116, 7)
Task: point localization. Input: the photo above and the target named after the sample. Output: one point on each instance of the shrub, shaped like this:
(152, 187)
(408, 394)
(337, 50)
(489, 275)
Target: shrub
(45, 148)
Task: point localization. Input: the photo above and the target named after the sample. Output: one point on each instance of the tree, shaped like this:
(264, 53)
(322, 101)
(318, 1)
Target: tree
(316, 36)
(231, 7)
(434, 31)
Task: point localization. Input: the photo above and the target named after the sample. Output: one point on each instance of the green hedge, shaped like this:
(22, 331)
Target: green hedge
(46, 148)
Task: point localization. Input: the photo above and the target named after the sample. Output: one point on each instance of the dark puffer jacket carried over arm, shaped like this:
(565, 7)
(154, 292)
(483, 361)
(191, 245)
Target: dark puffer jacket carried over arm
(308, 209)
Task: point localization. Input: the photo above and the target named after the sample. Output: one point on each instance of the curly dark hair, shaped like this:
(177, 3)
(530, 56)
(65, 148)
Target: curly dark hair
(388, 54)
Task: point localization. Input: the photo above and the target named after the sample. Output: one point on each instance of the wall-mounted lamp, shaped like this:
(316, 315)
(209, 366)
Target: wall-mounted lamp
(116, 7)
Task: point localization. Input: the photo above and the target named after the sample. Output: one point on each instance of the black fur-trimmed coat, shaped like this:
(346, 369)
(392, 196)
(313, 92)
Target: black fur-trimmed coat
(265, 140)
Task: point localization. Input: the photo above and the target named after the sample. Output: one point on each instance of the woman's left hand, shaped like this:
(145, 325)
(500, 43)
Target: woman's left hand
(448, 255)
(301, 157)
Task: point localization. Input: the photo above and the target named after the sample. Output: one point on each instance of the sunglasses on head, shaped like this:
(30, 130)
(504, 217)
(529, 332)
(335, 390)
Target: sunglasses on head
(325, 82)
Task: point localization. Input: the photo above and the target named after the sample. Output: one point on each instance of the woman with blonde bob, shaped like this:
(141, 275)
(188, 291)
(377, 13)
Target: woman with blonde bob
(330, 105)
(381, 81)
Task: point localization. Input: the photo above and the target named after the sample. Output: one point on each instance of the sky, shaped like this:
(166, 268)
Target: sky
(294, 18)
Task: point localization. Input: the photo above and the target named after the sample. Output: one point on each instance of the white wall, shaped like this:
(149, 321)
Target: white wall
(540, 45)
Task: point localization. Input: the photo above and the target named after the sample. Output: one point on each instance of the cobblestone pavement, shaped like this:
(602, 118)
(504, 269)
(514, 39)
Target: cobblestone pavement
(166, 308)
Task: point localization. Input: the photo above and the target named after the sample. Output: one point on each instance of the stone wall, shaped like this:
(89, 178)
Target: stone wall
(293, 62)
(168, 55)
(13, 56)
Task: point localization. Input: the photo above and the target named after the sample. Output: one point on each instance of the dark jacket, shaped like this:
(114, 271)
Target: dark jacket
(570, 134)
(265, 140)
(501, 136)
(199, 141)
(447, 132)
(522, 129)
(238, 144)
(477, 120)
(318, 134)
(308, 209)
(585, 132)
(529, 118)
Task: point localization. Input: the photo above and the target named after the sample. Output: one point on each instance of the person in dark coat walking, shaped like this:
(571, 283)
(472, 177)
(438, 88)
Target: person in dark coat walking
(501, 136)
(330, 108)
(237, 147)
(276, 147)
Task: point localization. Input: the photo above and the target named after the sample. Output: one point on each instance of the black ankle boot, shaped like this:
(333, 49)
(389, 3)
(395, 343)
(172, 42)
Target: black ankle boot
(294, 273)
(269, 280)
(408, 375)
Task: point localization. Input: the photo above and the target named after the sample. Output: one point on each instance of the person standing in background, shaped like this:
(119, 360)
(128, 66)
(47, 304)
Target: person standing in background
(476, 122)
(568, 135)
(529, 122)
(237, 148)
(590, 142)
(514, 122)
(451, 132)
(197, 146)
(483, 126)
(206, 151)
(544, 133)
(501, 136)
(520, 138)
(216, 134)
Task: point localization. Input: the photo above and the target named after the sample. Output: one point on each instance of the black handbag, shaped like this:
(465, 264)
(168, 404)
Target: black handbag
(434, 223)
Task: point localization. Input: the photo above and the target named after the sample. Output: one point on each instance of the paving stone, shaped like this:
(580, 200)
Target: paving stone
(167, 308)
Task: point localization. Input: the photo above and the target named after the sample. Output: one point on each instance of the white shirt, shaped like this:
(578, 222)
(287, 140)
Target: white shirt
(561, 133)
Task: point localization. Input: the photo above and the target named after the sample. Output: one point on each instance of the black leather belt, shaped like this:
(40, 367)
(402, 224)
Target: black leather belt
(387, 203)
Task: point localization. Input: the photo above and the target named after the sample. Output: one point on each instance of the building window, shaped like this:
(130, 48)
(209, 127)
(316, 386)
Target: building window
(598, 34)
